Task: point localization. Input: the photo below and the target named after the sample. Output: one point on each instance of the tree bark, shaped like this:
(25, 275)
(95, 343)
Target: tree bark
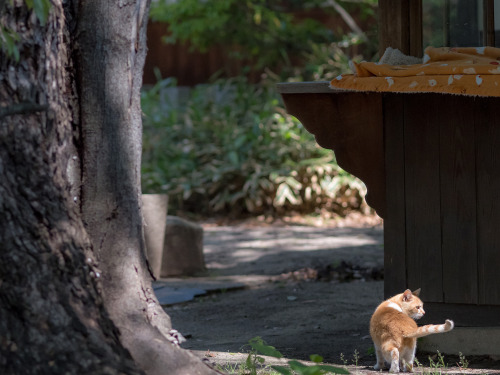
(53, 320)
(76, 296)
(111, 57)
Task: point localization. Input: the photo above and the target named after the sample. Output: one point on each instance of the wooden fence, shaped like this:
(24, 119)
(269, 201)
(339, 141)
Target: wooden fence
(191, 68)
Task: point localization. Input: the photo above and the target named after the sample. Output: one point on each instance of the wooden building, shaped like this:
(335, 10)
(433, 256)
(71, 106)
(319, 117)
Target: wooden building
(431, 163)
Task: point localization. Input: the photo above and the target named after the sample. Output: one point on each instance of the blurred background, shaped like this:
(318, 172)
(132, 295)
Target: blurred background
(217, 138)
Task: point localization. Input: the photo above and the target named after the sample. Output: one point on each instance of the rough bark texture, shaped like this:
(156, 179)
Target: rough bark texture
(111, 57)
(72, 302)
(52, 317)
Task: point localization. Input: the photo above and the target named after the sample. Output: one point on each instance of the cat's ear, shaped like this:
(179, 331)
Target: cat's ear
(407, 295)
(416, 292)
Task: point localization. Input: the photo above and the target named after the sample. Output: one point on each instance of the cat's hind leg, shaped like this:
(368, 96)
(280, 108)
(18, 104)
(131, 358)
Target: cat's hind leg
(380, 365)
(407, 357)
(394, 357)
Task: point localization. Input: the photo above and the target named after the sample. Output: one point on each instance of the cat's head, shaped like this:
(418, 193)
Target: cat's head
(411, 304)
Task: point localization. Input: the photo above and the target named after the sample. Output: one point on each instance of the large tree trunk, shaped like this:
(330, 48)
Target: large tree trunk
(72, 302)
(52, 317)
(111, 57)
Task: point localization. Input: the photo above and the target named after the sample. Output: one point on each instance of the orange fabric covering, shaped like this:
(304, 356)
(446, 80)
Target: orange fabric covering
(464, 71)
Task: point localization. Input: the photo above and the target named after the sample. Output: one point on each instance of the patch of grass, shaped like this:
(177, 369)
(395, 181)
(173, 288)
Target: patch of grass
(438, 364)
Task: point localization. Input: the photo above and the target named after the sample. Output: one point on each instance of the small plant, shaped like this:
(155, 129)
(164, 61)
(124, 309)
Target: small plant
(436, 365)
(294, 367)
(463, 363)
(355, 358)
(439, 364)
(343, 360)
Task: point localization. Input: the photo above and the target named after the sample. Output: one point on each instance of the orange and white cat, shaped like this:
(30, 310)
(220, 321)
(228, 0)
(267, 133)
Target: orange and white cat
(394, 331)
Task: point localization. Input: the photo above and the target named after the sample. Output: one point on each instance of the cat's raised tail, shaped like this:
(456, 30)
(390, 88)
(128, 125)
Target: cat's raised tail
(431, 329)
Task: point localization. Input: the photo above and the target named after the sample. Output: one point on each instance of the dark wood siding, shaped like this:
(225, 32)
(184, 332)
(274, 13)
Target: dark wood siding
(487, 119)
(395, 233)
(423, 235)
(455, 117)
(439, 166)
(443, 158)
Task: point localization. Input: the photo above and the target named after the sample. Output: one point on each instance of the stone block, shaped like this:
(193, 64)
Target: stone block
(467, 340)
(183, 248)
(154, 213)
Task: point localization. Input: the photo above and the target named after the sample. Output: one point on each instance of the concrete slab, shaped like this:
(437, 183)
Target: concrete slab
(173, 291)
(465, 340)
(170, 296)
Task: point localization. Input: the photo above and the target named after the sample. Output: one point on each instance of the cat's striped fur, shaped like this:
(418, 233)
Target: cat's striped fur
(394, 331)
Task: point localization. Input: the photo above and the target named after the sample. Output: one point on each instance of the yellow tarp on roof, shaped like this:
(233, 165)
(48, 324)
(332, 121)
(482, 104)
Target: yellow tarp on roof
(465, 71)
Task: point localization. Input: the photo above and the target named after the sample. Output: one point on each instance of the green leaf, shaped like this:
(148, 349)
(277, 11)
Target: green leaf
(316, 358)
(233, 158)
(9, 39)
(42, 8)
(296, 365)
(261, 347)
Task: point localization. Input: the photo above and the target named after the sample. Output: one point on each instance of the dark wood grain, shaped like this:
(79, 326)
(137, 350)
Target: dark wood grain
(394, 221)
(487, 116)
(463, 315)
(423, 232)
(394, 25)
(455, 120)
(489, 22)
(416, 47)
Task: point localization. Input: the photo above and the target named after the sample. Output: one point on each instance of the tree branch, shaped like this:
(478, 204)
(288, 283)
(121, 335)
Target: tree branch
(22, 108)
(347, 18)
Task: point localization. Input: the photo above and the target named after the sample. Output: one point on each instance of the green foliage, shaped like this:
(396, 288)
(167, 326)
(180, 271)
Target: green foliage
(326, 61)
(259, 30)
(258, 346)
(9, 39)
(230, 147)
(41, 8)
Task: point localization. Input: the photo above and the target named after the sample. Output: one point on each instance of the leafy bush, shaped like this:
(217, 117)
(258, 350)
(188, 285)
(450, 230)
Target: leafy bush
(230, 147)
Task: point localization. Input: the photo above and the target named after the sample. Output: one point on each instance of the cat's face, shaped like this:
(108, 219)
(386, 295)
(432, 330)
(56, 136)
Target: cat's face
(412, 305)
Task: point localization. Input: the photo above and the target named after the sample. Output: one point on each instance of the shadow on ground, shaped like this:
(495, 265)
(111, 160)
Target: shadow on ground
(245, 297)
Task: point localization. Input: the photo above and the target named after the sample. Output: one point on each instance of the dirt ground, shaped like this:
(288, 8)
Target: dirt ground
(298, 313)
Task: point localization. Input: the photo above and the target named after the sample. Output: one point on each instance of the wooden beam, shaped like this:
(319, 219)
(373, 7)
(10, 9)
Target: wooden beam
(400, 26)
(489, 23)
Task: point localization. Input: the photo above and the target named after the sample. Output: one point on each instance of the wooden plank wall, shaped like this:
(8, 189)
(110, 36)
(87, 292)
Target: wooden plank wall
(443, 185)
(455, 117)
(487, 120)
(423, 235)
(394, 220)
